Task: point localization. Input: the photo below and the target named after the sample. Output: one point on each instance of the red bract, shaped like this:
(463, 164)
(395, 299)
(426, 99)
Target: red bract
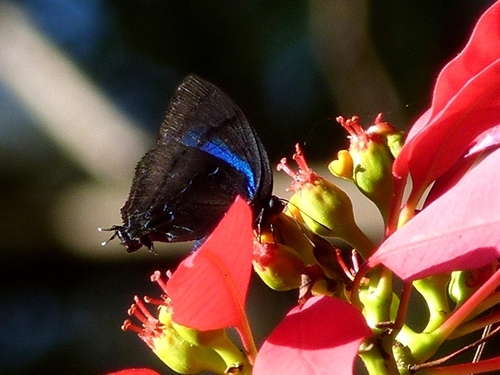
(320, 337)
(208, 289)
(135, 371)
(466, 102)
(459, 230)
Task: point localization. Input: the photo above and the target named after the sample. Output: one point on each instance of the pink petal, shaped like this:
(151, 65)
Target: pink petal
(459, 230)
(135, 371)
(320, 337)
(466, 102)
(208, 289)
(487, 140)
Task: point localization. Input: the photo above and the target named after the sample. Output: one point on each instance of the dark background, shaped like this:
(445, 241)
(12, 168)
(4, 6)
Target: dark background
(292, 65)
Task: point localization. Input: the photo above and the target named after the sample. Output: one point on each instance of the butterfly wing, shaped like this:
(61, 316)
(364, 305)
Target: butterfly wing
(206, 154)
(216, 125)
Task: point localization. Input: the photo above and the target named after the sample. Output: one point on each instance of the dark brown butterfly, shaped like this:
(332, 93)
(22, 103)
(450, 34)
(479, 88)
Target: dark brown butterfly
(206, 154)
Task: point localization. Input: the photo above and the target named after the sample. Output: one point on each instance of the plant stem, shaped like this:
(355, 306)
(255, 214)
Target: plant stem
(428, 343)
(247, 340)
(376, 361)
(462, 313)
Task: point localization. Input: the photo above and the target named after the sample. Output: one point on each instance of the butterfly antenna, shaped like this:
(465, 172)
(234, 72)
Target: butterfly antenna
(276, 229)
(113, 228)
(309, 216)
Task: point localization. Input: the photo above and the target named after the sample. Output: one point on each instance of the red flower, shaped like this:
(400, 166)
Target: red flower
(466, 102)
(458, 227)
(459, 230)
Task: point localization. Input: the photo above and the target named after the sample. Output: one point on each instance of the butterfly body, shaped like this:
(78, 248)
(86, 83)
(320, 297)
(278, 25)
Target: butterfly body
(206, 154)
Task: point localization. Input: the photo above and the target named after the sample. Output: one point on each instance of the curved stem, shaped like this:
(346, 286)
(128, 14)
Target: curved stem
(376, 361)
(434, 289)
(403, 308)
(428, 343)
(247, 340)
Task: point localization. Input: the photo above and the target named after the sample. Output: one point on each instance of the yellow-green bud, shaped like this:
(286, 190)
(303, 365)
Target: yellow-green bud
(393, 137)
(209, 338)
(163, 339)
(279, 266)
(371, 160)
(325, 208)
(217, 341)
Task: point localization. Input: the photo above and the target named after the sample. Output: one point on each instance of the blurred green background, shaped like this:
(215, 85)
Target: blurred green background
(83, 87)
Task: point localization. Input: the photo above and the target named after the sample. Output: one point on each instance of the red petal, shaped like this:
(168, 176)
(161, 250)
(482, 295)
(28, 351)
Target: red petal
(466, 102)
(488, 140)
(459, 230)
(135, 371)
(208, 289)
(320, 337)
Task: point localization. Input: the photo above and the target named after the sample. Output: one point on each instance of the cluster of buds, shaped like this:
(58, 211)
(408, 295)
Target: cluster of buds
(183, 349)
(325, 208)
(293, 252)
(288, 255)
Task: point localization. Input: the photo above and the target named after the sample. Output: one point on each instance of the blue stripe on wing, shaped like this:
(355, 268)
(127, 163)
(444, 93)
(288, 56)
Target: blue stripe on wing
(220, 150)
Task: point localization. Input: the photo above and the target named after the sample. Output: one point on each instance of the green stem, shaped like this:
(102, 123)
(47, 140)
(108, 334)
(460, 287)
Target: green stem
(402, 333)
(376, 361)
(428, 343)
(464, 311)
(377, 297)
(434, 289)
(232, 356)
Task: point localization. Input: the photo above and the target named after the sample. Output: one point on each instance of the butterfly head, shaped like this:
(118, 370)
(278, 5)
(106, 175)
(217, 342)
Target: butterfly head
(128, 240)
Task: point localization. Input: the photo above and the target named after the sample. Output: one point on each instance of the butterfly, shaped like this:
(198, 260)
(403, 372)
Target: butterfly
(206, 154)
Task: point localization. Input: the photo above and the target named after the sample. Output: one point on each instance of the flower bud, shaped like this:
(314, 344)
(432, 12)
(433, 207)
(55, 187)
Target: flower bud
(208, 338)
(393, 137)
(218, 341)
(325, 208)
(279, 266)
(371, 160)
(164, 340)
